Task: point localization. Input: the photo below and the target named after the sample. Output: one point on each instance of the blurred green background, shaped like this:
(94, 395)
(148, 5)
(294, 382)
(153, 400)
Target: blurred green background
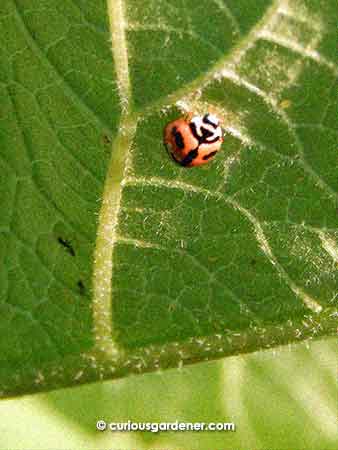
(279, 399)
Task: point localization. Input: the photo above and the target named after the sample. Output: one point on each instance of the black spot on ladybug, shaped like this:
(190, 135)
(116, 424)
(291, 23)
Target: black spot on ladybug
(67, 245)
(81, 286)
(211, 141)
(209, 155)
(178, 138)
(194, 131)
(190, 157)
(205, 134)
(209, 122)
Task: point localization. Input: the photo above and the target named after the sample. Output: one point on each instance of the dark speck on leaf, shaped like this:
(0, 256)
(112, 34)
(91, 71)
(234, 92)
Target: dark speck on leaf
(67, 245)
(81, 287)
(106, 139)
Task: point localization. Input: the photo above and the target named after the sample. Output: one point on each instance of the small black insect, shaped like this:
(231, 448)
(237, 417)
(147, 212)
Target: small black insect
(67, 245)
(81, 286)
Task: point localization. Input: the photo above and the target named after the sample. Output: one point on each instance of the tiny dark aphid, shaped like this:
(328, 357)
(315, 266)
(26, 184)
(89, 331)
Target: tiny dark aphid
(81, 286)
(67, 245)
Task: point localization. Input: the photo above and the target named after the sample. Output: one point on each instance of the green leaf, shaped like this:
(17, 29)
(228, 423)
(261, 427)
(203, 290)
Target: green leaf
(115, 260)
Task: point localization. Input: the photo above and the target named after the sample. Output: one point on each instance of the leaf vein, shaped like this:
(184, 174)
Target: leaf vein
(44, 59)
(272, 103)
(299, 49)
(308, 301)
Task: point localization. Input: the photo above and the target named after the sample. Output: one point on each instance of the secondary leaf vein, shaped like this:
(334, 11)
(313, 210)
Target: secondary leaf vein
(310, 302)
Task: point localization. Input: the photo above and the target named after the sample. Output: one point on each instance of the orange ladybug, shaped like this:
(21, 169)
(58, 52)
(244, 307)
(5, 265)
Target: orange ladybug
(193, 140)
